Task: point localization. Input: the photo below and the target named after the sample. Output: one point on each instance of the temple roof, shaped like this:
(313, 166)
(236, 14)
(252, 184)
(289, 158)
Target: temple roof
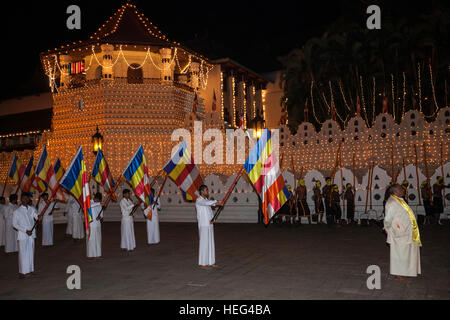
(128, 27)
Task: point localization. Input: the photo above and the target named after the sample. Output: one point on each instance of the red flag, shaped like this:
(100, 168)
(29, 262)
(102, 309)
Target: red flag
(306, 110)
(195, 105)
(214, 103)
(385, 104)
(358, 106)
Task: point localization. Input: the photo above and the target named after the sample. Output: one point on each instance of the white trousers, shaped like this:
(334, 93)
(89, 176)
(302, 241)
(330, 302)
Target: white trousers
(94, 243)
(26, 255)
(127, 234)
(153, 229)
(405, 260)
(206, 252)
(47, 232)
(11, 244)
(69, 228)
(2, 231)
(78, 227)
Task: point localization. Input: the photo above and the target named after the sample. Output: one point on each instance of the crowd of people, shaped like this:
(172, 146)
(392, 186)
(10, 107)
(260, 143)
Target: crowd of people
(327, 202)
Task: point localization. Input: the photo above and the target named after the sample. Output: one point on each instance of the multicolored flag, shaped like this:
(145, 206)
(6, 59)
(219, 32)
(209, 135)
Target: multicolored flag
(264, 172)
(16, 169)
(25, 184)
(214, 102)
(241, 121)
(36, 183)
(45, 171)
(58, 168)
(183, 171)
(136, 174)
(76, 181)
(102, 174)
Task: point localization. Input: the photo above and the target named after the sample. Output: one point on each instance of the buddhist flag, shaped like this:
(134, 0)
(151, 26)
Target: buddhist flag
(76, 181)
(45, 171)
(136, 174)
(183, 171)
(214, 102)
(102, 174)
(264, 172)
(16, 169)
(25, 184)
(37, 184)
(195, 105)
(58, 168)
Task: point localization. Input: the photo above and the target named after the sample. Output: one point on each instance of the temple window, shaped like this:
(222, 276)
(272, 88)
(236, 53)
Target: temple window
(135, 76)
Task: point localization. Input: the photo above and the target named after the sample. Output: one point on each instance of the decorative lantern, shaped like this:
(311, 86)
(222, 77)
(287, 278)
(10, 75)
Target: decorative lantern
(97, 142)
(258, 124)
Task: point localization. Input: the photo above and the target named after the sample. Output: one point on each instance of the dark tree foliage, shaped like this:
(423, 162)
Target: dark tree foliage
(410, 39)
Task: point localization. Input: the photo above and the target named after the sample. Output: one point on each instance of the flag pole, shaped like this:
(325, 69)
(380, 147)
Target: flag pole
(54, 193)
(417, 174)
(111, 192)
(442, 171)
(4, 185)
(160, 190)
(20, 181)
(156, 177)
(369, 178)
(227, 195)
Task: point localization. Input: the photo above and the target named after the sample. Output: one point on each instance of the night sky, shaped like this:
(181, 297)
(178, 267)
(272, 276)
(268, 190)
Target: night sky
(254, 33)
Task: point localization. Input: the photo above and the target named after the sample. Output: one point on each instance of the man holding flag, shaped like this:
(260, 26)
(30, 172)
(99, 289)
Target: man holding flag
(45, 171)
(76, 182)
(136, 173)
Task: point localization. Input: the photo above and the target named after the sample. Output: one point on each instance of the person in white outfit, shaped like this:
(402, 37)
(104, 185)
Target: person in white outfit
(47, 220)
(94, 242)
(23, 221)
(403, 236)
(77, 220)
(2, 222)
(128, 241)
(206, 252)
(153, 224)
(68, 214)
(11, 245)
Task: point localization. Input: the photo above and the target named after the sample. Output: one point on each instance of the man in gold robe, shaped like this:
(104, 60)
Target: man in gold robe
(403, 236)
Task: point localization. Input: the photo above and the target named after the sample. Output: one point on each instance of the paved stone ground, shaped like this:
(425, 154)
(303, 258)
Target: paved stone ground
(278, 262)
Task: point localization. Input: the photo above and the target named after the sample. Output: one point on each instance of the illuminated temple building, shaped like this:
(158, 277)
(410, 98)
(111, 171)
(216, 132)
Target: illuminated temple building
(137, 86)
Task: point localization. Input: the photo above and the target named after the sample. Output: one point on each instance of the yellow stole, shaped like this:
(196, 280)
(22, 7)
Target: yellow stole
(416, 234)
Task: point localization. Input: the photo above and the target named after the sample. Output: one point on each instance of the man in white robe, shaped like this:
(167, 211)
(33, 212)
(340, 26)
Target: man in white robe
(77, 220)
(68, 214)
(94, 242)
(47, 220)
(11, 245)
(403, 236)
(2, 222)
(23, 221)
(128, 241)
(153, 224)
(206, 252)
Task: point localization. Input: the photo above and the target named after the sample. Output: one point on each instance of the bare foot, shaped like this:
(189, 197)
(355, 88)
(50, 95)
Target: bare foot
(401, 279)
(205, 267)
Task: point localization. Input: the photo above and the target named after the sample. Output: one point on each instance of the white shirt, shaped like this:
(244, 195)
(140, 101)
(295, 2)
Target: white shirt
(49, 209)
(126, 206)
(75, 207)
(23, 220)
(8, 211)
(204, 211)
(96, 208)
